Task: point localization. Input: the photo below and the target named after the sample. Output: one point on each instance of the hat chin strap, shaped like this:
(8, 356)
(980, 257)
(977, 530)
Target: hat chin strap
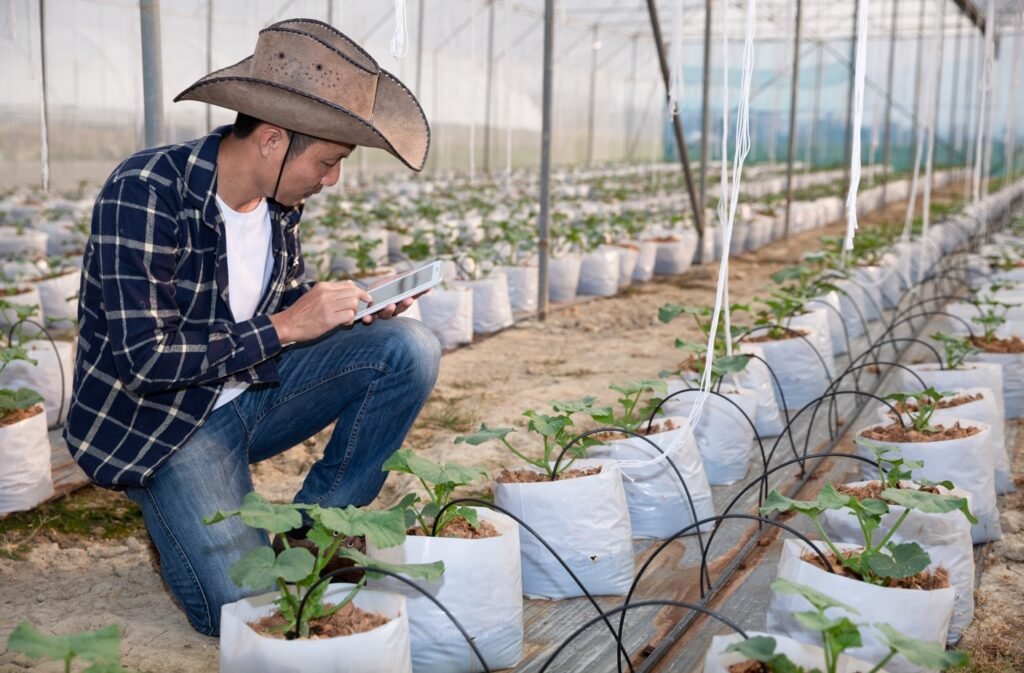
(280, 171)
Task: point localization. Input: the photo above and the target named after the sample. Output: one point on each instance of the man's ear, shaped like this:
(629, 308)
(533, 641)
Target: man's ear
(272, 139)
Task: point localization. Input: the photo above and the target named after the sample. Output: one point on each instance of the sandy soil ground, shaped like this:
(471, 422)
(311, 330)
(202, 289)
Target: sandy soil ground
(73, 583)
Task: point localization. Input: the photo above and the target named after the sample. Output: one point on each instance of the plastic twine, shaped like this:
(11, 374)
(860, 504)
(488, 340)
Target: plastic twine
(859, 72)
(675, 90)
(472, 69)
(933, 115)
(400, 38)
(985, 87)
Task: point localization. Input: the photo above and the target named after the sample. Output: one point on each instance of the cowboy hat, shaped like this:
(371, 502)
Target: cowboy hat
(307, 77)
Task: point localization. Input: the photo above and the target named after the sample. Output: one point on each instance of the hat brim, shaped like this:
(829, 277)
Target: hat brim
(398, 125)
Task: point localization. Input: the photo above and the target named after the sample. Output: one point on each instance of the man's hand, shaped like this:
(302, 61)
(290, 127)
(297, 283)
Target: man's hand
(326, 306)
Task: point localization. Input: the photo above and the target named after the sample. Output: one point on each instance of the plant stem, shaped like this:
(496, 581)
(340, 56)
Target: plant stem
(883, 662)
(899, 522)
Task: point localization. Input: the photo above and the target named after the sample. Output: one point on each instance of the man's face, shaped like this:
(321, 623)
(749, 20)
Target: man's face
(305, 174)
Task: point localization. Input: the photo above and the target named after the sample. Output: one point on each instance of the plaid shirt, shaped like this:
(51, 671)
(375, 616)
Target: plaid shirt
(157, 339)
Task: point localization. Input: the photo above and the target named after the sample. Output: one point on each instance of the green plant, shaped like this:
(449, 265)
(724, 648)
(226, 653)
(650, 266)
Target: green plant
(721, 366)
(919, 407)
(633, 414)
(956, 349)
(877, 562)
(22, 398)
(296, 570)
(775, 312)
(22, 314)
(554, 431)
(101, 649)
(991, 315)
(361, 248)
(802, 281)
(439, 480)
(839, 634)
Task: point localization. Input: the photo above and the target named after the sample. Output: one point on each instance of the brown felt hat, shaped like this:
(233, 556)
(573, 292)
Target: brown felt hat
(306, 76)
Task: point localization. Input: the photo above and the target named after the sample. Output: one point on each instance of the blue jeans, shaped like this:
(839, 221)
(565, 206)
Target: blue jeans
(372, 379)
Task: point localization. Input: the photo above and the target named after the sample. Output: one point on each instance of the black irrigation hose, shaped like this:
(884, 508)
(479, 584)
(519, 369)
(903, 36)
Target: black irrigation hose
(326, 577)
(932, 314)
(60, 365)
(490, 505)
(879, 344)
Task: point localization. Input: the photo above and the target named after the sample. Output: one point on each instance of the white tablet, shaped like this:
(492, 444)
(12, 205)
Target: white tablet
(402, 287)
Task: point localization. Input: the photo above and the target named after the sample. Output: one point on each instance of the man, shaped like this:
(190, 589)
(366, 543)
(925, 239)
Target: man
(203, 349)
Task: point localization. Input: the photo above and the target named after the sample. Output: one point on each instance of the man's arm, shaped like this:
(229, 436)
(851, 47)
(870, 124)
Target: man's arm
(153, 351)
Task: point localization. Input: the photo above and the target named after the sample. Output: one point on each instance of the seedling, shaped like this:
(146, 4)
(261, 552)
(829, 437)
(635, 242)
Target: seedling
(876, 563)
(839, 634)
(633, 414)
(22, 398)
(361, 248)
(956, 349)
(775, 312)
(22, 314)
(439, 480)
(101, 649)
(296, 570)
(721, 365)
(554, 431)
(802, 281)
(919, 407)
(991, 316)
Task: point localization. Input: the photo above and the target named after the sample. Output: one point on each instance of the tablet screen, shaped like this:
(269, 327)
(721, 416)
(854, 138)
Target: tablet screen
(384, 295)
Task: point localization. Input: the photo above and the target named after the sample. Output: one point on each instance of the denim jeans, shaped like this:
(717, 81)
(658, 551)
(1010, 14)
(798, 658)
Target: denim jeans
(372, 379)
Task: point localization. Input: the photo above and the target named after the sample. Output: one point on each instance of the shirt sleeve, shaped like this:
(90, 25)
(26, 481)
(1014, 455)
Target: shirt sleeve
(296, 284)
(153, 349)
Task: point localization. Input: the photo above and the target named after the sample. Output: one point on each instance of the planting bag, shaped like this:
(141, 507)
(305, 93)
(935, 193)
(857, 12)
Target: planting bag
(522, 287)
(723, 435)
(816, 320)
(967, 462)
(45, 377)
(985, 410)
(657, 502)
(492, 310)
(24, 464)
(586, 522)
(971, 375)
(675, 252)
(802, 376)
(804, 655)
(385, 649)
(481, 587)
(644, 269)
(1013, 380)
(924, 615)
(599, 272)
(449, 315)
(59, 297)
(946, 538)
(564, 277)
(629, 253)
(755, 377)
(851, 305)
(836, 324)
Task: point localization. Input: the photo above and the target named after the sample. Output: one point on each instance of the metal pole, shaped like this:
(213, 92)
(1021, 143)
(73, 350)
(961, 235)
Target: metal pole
(44, 112)
(419, 51)
(887, 137)
(704, 108)
(955, 91)
(594, 46)
(487, 90)
(677, 128)
(545, 159)
(152, 72)
(926, 204)
(817, 108)
(792, 115)
(631, 108)
(849, 103)
(209, 54)
(917, 81)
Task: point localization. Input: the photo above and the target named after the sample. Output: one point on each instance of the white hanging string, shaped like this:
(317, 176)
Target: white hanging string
(472, 70)
(859, 72)
(400, 38)
(505, 58)
(933, 115)
(742, 148)
(723, 181)
(1010, 139)
(985, 86)
(986, 166)
(675, 91)
(975, 77)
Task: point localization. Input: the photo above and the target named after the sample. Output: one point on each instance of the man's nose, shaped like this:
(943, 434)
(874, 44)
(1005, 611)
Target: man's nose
(332, 176)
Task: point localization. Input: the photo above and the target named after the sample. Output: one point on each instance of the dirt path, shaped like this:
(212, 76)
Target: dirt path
(72, 582)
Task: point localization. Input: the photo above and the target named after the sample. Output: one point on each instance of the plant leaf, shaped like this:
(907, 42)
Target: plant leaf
(423, 571)
(904, 560)
(929, 503)
(260, 569)
(102, 646)
(256, 512)
(484, 435)
(382, 528)
(924, 653)
(451, 474)
(816, 598)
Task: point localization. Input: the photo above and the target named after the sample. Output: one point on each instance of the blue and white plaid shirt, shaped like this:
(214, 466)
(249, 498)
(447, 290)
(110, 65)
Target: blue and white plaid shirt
(157, 339)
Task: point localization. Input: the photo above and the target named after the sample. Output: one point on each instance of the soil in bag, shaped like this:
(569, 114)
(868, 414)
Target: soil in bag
(525, 476)
(996, 345)
(926, 580)
(908, 435)
(873, 490)
(460, 528)
(663, 426)
(19, 415)
(789, 334)
(345, 622)
(957, 401)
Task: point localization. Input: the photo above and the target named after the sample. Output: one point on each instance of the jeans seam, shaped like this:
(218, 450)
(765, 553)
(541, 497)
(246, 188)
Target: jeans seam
(383, 369)
(356, 425)
(188, 564)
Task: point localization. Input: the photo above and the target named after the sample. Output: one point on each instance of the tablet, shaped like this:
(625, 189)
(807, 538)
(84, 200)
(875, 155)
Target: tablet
(404, 286)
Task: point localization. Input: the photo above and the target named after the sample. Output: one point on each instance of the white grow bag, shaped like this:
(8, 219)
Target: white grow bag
(807, 656)
(675, 257)
(59, 298)
(599, 272)
(967, 462)
(585, 520)
(45, 376)
(830, 303)
(725, 438)
(924, 615)
(629, 254)
(657, 502)
(644, 269)
(946, 538)
(481, 587)
(1013, 380)
(816, 320)
(492, 309)
(384, 649)
(564, 277)
(449, 315)
(522, 287)
(757, 378)
(801, 374)
(25, 479)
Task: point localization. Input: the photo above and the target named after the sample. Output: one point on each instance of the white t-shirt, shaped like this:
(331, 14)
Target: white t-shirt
(250, 263)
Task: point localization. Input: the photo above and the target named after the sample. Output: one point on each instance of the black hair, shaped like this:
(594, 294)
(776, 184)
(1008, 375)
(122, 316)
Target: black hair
(245, 126)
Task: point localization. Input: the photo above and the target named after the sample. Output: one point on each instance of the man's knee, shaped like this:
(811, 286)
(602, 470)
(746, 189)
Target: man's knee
(415, 350)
